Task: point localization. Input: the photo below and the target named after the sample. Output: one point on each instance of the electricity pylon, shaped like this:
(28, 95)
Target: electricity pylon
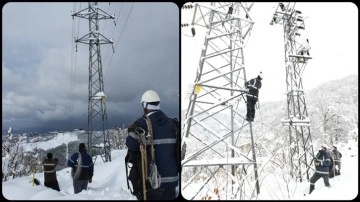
(98, 135)
(217, 141)
(296, 57)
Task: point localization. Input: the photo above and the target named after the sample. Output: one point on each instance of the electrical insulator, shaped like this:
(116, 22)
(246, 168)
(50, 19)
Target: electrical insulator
(230, 10)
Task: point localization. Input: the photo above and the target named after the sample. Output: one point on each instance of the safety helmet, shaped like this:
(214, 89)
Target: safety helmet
(261, 75)
(150, 96)
(323, 146)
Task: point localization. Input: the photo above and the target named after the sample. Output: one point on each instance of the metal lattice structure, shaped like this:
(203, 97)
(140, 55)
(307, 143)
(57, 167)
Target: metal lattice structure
(217, 141)
(98, 136)
(296, 58)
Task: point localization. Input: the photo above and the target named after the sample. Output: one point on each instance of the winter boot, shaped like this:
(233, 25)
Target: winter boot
(312, 187)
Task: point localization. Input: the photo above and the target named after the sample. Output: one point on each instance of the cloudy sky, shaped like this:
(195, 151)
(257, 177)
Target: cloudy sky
(333, 34)
(45, 82)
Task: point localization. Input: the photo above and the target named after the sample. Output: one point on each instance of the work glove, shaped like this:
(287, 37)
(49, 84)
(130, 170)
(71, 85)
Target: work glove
(90, 180)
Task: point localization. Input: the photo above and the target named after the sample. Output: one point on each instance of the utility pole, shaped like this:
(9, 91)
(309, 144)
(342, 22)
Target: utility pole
(214, 129)
(296, 57)
(98, 136)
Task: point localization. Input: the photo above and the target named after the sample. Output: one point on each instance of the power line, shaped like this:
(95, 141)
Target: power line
(119, 40)
(73, 64)
(105, 20)
(112, 35)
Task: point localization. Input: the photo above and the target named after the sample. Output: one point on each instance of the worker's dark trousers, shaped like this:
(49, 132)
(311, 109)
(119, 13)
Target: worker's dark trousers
(315, 178)
(251, 102)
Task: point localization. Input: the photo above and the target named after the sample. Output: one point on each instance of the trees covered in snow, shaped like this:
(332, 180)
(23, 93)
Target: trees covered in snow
(118, 137)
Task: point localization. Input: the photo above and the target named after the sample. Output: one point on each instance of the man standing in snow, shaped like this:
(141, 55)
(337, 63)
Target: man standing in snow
(50, 172)
(82, 169)
(165, 155)
(322, 163)
(337, 160)
(253, 85)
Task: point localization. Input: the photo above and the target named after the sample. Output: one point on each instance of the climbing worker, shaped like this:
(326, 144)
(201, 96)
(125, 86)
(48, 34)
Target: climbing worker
(158, 179)
(82, 169)
(50, 164)
(322, 163)
(253, 96)
(337, 159)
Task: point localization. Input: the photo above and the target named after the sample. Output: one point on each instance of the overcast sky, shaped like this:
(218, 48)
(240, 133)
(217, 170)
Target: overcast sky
(333, 34)
(38, 67)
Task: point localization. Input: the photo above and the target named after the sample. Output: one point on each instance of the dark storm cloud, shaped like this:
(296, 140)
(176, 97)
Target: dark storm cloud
(37, 64)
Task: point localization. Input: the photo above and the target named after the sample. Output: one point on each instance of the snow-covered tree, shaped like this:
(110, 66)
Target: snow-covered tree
(13, 165)
(118, 137)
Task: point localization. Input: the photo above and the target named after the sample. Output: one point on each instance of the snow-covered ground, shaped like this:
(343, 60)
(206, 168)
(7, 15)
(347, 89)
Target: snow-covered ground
(343, 187)
(109, 183)
(273, 186)
(59, 139)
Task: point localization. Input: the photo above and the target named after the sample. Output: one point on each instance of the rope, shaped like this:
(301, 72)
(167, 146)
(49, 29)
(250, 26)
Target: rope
(143, 166)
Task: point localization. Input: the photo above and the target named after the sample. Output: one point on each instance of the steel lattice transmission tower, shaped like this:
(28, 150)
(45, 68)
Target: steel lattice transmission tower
(215, 131)
(98, 137)
(296, 58)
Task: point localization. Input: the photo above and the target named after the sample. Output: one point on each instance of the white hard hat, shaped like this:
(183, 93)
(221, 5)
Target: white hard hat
(150, 96)
(261, 75)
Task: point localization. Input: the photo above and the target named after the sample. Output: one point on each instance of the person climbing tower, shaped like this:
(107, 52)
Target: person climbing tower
(252, 97)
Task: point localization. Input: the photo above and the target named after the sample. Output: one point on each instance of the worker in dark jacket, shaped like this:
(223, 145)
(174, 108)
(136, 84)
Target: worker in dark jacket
(253, 96)
(164, 141)
(337, 160)
(50, 164)
(82, 169)
(322, 163)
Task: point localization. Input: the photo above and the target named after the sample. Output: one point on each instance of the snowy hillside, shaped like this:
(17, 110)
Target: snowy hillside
(109, 183)
(59, 139)
(332, 108)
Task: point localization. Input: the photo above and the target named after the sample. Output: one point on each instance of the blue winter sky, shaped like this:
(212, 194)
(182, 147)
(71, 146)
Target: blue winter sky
(333, 34)
(38, 66)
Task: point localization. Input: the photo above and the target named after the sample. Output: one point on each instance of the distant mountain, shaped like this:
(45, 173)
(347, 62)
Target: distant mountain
(332, 109)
